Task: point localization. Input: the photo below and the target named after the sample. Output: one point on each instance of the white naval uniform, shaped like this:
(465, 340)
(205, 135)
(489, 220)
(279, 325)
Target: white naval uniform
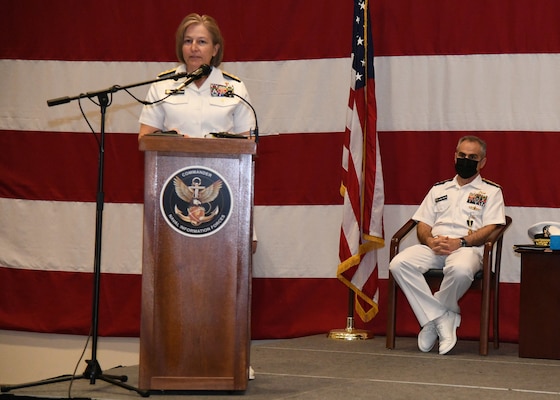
(451, 210)
(199, 111)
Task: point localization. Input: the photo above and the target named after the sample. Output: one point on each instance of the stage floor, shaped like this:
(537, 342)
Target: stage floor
(317, 367)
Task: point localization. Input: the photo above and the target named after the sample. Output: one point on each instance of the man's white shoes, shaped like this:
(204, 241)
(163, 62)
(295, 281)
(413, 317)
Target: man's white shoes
(444, 328)
(447, 326)
(427, 337)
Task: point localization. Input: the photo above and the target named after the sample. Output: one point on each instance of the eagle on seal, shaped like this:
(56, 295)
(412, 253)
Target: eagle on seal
(196, 195)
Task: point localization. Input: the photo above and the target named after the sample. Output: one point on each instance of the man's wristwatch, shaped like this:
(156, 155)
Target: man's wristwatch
(463, 242)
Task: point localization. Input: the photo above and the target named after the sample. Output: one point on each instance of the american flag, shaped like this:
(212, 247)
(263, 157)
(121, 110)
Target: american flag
(362, 183)
(436, 79)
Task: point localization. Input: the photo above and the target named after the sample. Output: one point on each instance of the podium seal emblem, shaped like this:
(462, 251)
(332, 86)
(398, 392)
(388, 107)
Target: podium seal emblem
(196, 201)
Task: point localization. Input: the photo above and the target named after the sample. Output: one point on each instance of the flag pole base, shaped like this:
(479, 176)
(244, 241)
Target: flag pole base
(350, 333)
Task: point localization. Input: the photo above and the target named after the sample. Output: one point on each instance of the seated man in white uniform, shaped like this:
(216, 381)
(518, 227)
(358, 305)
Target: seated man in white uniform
(454, 221)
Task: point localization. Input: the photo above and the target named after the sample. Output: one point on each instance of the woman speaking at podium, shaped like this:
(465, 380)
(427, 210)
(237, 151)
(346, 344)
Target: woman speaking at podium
(206, 104)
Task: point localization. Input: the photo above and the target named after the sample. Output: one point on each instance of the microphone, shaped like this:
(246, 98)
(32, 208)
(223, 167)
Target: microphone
(203, 70)
(255, 131)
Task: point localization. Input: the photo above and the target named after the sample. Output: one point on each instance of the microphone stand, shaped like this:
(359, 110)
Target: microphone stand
(93, 370)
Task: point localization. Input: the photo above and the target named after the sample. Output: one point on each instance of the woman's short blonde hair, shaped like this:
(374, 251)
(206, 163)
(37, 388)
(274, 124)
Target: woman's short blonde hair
(210, 24)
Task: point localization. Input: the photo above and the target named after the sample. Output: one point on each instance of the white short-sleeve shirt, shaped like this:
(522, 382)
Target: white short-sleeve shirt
(452, 210)
(199, 111)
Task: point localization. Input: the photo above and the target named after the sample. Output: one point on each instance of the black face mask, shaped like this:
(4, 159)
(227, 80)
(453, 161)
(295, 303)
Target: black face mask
(465, 167)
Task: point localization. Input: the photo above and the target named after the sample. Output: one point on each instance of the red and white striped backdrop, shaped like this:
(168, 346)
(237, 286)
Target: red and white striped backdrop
(442, 70)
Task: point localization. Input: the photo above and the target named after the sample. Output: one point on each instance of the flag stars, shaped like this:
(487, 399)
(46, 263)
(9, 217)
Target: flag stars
(360, 41)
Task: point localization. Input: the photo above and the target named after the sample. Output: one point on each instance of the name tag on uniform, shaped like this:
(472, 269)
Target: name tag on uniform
(174, 91)
(444, 197)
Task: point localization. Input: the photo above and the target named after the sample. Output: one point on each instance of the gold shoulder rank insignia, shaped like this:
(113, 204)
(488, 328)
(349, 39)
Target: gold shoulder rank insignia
(230, 76)
(169, 72)
(491, 183)
(442, 182)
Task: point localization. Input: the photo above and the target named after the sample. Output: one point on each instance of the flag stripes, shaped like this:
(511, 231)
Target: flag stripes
(441, 72)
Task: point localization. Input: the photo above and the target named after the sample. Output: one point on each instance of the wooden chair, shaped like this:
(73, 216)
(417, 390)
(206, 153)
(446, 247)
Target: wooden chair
(487, 280)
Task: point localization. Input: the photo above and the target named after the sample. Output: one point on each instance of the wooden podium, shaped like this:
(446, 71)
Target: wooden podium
(196, 272)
